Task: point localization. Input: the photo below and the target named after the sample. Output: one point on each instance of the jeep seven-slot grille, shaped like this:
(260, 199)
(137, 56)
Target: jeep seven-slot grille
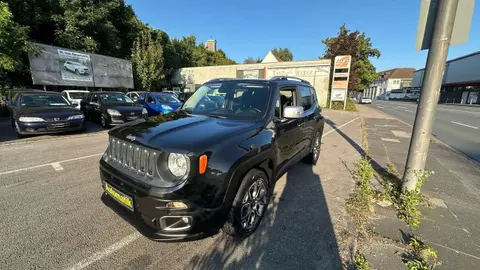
(132, 157)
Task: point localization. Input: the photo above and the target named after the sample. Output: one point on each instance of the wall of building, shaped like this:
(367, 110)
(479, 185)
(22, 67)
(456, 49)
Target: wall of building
(316, 72)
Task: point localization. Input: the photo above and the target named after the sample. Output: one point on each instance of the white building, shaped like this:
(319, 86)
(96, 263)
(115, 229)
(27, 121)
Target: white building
(396, 78)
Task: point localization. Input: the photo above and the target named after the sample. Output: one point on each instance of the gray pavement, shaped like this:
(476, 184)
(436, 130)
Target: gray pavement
(452, 226)
(457, 126)
(53, 214)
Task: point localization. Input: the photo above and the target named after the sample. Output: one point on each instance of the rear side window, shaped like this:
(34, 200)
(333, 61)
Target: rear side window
(314, 96)
(306, 98)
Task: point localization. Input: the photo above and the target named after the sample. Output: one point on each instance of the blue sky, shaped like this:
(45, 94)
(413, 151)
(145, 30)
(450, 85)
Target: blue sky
(251, 28)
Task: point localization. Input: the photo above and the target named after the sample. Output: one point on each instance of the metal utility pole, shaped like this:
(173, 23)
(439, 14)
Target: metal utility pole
(437, 56)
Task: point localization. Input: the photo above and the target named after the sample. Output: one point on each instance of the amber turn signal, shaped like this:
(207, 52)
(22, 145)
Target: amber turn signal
(202, 164)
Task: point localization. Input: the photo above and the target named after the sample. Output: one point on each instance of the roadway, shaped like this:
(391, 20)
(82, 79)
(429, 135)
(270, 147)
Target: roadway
(54, 215)
(457, 126)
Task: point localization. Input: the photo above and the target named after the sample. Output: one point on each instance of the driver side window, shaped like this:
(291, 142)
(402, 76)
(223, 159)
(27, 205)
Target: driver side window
(286, 98)
(151, 100)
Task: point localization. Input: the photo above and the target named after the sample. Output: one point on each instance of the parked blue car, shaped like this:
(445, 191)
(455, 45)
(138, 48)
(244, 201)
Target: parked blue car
(160, 103)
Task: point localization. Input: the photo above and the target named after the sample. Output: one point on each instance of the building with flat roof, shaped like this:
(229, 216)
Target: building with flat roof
(317, 72)
(461, 80)
(396, 78)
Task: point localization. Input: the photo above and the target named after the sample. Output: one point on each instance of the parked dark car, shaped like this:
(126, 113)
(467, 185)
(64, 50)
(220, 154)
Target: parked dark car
(111, 108)
(40, 112)
(160, 103)
(187, 174)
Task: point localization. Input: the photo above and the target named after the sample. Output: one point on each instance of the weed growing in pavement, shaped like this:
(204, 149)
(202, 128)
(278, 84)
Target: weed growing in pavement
(360, 205)
(364, 137)
(410, 200)
(361, 262)
(405, 202)
(420, 256)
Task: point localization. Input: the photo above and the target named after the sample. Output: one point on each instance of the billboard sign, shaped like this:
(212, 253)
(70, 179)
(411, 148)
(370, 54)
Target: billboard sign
(52, 65)
(341, 73)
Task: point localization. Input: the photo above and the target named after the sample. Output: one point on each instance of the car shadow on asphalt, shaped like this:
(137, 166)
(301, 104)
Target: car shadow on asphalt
(8, 135)
(296, 233)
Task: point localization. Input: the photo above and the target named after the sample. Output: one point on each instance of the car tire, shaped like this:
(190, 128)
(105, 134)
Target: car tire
(104, 121)
(252, 198)
(314, 154)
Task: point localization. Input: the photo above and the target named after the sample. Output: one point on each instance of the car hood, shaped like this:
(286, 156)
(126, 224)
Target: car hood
(179, 131)
(47, 112)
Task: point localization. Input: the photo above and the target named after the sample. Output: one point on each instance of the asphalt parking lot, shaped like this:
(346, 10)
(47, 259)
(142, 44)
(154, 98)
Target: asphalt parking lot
(54, 216)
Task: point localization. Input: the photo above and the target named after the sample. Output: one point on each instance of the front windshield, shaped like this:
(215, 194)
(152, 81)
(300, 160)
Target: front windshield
(76, 95)
(233, 100)
(115, 98)
(167, 98)
(43, 100)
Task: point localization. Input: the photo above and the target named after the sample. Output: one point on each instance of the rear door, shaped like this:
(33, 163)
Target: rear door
(308, 124)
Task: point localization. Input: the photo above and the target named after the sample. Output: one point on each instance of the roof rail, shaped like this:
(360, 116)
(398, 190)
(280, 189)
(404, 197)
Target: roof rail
(289, 78)
(220, 79)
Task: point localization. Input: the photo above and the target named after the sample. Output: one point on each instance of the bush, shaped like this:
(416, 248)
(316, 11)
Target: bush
(3, 108)
(338, 105)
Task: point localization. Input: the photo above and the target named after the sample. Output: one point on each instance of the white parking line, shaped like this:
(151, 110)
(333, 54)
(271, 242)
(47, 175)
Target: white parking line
(465, 125)
(409, 111)
(400, 107)
(381, 107)
(106, 252)
(57, 167)
(49, 164)
(339, 127)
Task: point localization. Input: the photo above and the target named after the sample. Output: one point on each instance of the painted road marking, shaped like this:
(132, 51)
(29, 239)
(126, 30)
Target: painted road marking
(409, 111)
(465, 125)
(49, 164)
(400, 133)
(339, 127)
(381, 107)
(401, 107)
(57, 167)
(390, 140)
(106, 252)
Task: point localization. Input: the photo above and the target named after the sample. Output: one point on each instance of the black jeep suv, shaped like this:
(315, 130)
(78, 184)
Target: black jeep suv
(211, 164)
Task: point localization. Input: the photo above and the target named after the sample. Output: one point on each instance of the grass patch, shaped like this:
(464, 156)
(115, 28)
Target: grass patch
(361, 262)
(405, 202)
(420, 256)
(360, 205)
(338, 105)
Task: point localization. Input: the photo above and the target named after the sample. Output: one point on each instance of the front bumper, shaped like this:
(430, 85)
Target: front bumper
(120, 120)
(39, 128)
(152, 218)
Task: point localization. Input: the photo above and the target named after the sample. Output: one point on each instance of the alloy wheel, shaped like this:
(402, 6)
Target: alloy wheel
(253, 204)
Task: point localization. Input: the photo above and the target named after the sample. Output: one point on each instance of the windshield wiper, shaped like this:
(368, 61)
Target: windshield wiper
(215, 116)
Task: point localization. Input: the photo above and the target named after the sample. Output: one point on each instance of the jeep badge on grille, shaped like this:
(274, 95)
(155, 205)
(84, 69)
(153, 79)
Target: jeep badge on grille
(131, 137)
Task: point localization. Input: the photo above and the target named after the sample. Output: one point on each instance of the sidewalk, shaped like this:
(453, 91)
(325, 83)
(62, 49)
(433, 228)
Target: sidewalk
(452, 227)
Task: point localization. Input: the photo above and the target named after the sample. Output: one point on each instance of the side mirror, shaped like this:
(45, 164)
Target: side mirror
(293, 112)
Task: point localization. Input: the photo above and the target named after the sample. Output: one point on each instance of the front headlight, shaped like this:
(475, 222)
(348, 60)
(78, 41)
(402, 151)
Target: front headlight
(144, 111)
(173, 168)
(166, 107)
(31, 119)
(113, 112)
(74, 117)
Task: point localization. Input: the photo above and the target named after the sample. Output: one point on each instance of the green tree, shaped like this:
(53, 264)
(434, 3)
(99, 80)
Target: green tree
(359, 46)
(12, 40)
(252, 60)
(283, 53)
(147, 60)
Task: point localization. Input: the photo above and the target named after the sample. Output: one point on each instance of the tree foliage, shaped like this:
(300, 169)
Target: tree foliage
(359, 46)
(147, 60)
(252, 60)
(283, 53)
(108, 27)
(12, 40)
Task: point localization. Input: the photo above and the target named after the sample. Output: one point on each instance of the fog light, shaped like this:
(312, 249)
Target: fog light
(30, 129)
(177, 205)
(185, 219)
